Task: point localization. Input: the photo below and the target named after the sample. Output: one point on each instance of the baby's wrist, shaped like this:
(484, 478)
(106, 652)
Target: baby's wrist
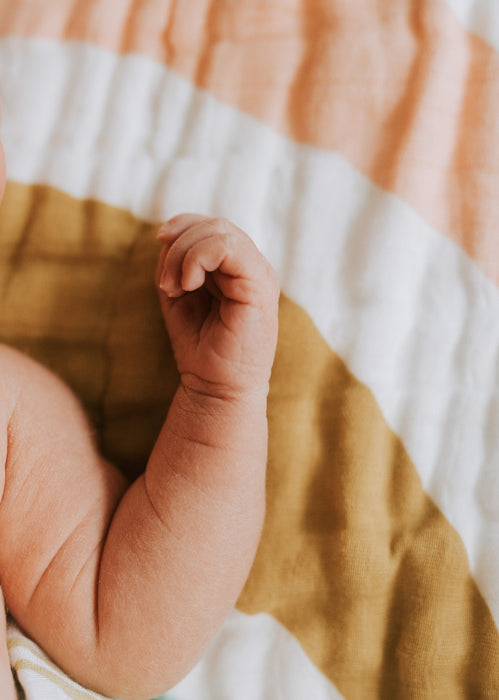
(205, 390)
(219, 417)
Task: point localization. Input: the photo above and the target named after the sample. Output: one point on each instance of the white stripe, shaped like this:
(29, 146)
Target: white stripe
(409, 312)
(40, 679)
(481, 17)
(254, 657)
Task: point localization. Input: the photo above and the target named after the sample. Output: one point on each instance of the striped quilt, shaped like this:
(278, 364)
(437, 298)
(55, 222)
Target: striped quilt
(357, 142)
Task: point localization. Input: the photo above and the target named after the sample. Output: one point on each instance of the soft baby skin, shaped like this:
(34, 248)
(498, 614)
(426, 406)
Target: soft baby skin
(124, 585)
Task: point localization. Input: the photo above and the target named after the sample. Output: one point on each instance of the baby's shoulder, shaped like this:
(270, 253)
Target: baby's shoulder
(22, 376)
(11, 373)
(16, 369)
(15, 364)
(35, 404)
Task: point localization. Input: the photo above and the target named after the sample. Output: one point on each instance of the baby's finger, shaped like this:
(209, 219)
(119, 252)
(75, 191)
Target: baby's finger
(171, 278)
(160, 265)
(204, 256)
(242, 258)
(169, 232)
(177, 225)
(240, 268)
(227, 249)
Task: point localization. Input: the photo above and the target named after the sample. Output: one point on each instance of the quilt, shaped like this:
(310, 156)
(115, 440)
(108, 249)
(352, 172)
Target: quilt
(357, 143)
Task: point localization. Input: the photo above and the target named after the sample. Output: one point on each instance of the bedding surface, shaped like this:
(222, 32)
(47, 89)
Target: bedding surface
(357, 143)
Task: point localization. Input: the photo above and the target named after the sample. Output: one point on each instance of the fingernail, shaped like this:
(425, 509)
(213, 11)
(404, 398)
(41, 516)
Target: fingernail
(172, 293)
(168, 287)
(162, 231)
(164, 280)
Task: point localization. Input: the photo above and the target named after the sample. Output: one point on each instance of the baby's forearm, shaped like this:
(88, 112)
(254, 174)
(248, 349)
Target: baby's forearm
(124, 585)
(183, 538)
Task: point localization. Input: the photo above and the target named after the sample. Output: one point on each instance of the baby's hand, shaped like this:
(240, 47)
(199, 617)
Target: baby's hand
(219, 298)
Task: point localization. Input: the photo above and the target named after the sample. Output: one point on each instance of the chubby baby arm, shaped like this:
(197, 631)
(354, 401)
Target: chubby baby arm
(202, 498)
(127, 596)
(57, 500)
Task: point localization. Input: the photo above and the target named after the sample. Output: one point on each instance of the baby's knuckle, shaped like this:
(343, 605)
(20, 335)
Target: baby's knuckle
(220, 224)
(272, 272)
(272, 277)
(228, 242)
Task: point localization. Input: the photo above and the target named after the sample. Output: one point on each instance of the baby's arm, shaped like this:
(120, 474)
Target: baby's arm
(201, 501)
(128, 595)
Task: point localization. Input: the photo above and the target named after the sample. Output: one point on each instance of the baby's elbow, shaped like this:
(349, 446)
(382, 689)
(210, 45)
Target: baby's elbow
(131, 683)
(130, 677)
